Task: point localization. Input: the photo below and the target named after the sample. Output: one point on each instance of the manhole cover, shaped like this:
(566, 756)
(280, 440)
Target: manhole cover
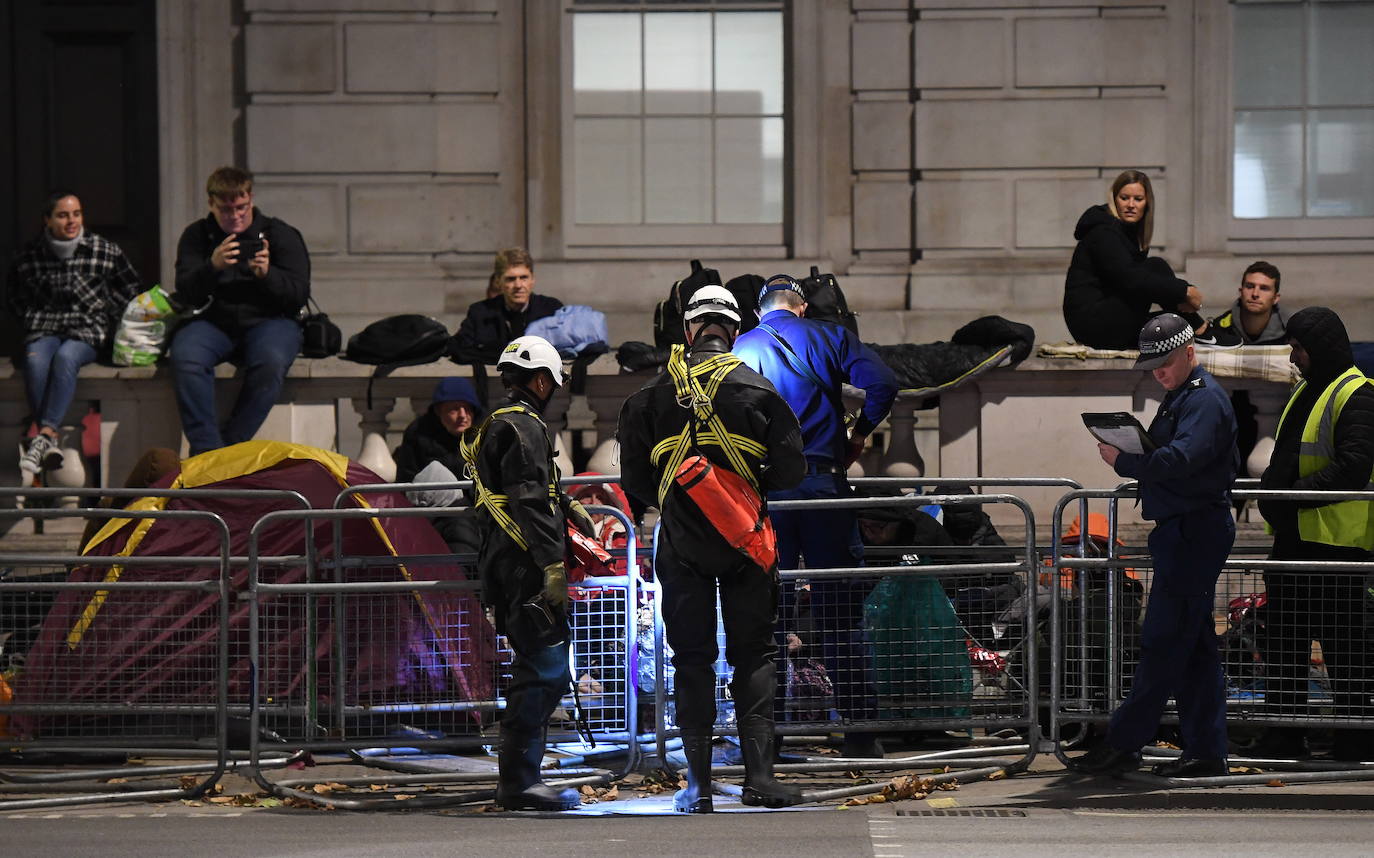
(989, 812)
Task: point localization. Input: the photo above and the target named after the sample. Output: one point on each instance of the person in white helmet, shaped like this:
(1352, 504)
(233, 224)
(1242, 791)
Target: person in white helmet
(709, 405)
(522, 516)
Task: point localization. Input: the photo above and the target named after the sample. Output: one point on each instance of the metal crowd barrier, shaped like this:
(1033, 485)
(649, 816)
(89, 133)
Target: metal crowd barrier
(1273, 679)
(342, 696)
(895, 656)
(127, 686)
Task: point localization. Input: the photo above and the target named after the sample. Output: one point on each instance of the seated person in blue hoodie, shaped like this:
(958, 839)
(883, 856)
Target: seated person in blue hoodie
(433, 438)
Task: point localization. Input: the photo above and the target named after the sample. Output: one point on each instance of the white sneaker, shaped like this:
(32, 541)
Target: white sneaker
(39, 454)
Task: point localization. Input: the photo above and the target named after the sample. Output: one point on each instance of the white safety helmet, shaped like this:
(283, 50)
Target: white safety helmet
(711, 301)
(531, 352)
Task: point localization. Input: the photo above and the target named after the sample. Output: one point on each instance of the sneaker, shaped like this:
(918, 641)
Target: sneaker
(39, 455)
(1217, 337)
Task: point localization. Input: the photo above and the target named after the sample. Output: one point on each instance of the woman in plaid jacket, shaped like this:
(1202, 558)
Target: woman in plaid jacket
(67, 287)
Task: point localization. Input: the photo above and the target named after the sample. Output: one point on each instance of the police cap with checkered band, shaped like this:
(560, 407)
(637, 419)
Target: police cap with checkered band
(1160, 337)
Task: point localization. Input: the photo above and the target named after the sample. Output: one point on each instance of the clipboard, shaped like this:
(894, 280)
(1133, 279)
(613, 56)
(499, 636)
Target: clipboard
(1119, 429)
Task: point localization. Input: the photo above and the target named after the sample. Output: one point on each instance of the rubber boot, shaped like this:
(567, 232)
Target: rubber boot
(518, 786)
(757, 744)
(696, 796)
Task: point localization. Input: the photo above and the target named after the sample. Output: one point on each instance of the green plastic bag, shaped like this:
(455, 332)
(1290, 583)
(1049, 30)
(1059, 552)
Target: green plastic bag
(143, 329)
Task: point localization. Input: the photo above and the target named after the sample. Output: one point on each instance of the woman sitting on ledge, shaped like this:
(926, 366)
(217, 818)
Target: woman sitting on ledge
(1112, 281)
(67, 287)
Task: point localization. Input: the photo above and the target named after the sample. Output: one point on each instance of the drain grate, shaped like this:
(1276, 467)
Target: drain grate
(988, 812)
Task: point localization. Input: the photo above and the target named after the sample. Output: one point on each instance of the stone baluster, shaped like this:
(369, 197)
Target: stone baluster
(902, 459)
(72, 473)
(556, 418)
(605, 459)
(374, 452)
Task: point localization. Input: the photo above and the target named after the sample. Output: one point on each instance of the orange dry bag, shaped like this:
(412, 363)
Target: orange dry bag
(732, 506)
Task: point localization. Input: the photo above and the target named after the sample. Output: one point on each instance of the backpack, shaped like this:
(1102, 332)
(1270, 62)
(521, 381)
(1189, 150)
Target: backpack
(572, 330)
(668, 313)
(405, 340)
(746, 288)
(825, 301)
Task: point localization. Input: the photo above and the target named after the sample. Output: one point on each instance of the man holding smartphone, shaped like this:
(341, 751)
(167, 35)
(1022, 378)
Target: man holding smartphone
(250, 274)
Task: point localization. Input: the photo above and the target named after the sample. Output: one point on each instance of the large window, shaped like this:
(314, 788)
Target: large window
(675, 134)
(1303, 100)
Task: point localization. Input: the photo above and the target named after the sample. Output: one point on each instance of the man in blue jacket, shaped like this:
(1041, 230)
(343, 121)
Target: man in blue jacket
(1185, 484)
(808, 361)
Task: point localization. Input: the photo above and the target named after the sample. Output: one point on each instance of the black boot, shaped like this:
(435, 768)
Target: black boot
(696, 797)
(519, 786)
(757, 744)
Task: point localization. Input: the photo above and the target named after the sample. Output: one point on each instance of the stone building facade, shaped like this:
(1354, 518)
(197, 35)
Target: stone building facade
(938, 153)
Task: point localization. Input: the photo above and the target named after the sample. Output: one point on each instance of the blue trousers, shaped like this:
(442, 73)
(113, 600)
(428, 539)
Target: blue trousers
(1178, 645)
(265, 352)
(829, 539)
(539, 676)
(50, 368)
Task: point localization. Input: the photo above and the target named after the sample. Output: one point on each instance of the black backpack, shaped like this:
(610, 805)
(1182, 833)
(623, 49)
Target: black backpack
(825, 300)
(668, 313)
(746, 288)
(405, 340)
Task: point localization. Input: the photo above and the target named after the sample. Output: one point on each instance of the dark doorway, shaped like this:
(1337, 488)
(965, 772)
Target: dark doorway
(78, 109)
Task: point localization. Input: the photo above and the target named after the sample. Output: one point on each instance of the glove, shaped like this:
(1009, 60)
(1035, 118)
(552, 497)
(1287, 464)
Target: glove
(555, 592)
(581, 519)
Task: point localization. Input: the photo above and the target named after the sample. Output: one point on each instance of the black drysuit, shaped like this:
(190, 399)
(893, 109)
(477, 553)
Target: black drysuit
(693, 558)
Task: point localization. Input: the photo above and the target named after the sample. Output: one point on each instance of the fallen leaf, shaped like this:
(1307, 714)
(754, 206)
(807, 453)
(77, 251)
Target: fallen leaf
(117, 781)
(611, 794)
(997, 775)
(587, 790)
(221, 799)
(1276, 783)
(188, 781)
(189, 803)
(400, 796)
(376, 787)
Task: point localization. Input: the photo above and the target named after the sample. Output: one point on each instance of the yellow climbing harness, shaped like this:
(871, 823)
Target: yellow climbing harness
(498, 505)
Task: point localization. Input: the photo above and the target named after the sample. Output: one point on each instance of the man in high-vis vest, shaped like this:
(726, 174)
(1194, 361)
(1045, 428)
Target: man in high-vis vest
(1325, 441)
(1185, 489)
(709, 411)
(523, 515)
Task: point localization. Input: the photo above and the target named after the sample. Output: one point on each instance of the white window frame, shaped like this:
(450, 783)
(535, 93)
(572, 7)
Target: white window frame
(1295, 233)
(669, 240)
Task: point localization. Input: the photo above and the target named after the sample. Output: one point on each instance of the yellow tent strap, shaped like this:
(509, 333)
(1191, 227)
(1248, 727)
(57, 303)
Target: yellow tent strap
(88, 614)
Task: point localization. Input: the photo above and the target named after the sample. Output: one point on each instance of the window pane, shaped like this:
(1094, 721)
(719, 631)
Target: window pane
(1268, 55)
(607, 170)
(1342, 55)
(677, 160)
(749, 62)
(1267, 175)
(749, 175)
(1340, 163)
(606, 65)
(678, 74)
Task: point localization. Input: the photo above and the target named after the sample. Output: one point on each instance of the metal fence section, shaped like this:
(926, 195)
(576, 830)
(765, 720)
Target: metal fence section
(888, 649)
(1292, 635)
(363, 647)
(101, 674)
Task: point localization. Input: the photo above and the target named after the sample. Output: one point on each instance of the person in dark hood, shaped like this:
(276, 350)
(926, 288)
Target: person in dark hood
(1325, 441)
(432, 440)
(1112, 281)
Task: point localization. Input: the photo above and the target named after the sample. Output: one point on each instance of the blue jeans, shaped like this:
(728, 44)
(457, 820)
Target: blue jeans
(265, 352)
(50, 367)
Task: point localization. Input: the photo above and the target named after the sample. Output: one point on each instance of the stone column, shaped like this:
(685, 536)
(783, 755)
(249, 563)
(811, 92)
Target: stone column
(901, 458)
(605, 408)
(374, 453)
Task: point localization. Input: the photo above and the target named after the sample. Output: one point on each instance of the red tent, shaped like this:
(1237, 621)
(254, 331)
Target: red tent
(158, 647)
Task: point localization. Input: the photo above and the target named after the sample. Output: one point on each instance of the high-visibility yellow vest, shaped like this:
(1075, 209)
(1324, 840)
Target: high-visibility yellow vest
(1347, 523)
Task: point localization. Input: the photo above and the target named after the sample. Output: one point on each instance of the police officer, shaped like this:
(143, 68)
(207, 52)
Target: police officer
(522, 517)
(1185, 486)
(808, 362)
(709, 403)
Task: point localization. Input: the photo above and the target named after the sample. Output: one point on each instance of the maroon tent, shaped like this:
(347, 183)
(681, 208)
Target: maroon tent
(405, 651)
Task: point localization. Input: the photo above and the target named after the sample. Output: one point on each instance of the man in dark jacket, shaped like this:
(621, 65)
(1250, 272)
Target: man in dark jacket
(709, 403)
(1185, 488)
(1325, 442)
(433, 439)
(523, 519)
(493, 322)
(1112, 282)
(808, 362)
(253, 272)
